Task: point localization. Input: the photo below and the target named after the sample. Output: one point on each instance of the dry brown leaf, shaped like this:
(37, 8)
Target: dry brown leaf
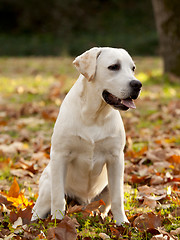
(149, 202)
(156, 180)
(147, 221)
(138, 179)
(13, 217)
(160, 166)
(176, 212)
(146, 190)
(4, 232)
(13, 148)
(115, 232)
(21, 173)
(166, 235)
(94, 205)
(104, 236)
(25, 214)
(65, 230)
(175, 232)
(3, 200)
(160, 237)
(50, 114)
(157, 155)
(75, 209)
(55, 89)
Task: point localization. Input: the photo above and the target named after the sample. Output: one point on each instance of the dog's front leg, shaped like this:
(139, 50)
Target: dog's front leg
(58, 173)
(115, 168)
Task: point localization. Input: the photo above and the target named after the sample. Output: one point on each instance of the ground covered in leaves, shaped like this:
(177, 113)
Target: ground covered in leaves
(31, 91)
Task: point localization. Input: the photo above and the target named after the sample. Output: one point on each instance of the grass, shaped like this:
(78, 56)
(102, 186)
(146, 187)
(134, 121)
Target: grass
(29, 80)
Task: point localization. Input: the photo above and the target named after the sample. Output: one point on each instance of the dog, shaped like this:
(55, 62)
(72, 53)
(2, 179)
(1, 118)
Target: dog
(87, 159)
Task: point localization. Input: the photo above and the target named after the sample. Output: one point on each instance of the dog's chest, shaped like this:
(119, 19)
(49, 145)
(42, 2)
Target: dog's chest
(91, 156)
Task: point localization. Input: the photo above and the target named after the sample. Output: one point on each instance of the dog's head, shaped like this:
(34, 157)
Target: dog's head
(111, 70)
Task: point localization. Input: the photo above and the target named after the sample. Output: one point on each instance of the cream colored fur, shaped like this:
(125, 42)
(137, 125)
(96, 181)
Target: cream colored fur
(88, 138)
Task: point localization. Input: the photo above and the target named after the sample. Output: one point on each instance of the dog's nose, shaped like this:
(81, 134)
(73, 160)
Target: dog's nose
(136, 84)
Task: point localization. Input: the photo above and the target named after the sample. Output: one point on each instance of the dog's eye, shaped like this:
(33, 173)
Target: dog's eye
(114, 67)
(133, 68)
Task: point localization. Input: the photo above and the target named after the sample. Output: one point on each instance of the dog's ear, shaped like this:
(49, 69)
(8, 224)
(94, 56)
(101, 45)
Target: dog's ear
(86, 63)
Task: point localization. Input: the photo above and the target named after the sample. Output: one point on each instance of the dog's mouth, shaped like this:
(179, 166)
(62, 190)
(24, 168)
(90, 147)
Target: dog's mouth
(117, 103)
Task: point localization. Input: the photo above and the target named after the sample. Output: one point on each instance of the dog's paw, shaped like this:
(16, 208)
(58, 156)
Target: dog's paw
(58, 215)
(120, 220)
(34, 217)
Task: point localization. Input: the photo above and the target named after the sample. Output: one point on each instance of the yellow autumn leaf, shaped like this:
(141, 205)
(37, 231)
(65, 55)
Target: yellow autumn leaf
(170, 140)
(21, 201)
(16, 197)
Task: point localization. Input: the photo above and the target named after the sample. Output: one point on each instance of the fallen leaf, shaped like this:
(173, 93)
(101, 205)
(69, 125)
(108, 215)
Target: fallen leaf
(14, 190)
(55, 89)
(21, 201)
(50, 113)
(86, 210)
(115, 232)
(4, 209)
(104, 236)
(94, 205)
(156, 180)
(149, 202)
(3, 200)
(75, 209)
(146, 190)
(138, 179)
(160, 237)
(32, 169)
(41, 235)
(16, 197)
(13, 216)
(174, 159)
(9, 237)
(4, 232)
(65, 230)
(3, 122)
(13, 148)
(166, 235)
(17, 223)
(134, 154)
(21, 173)
(26, 214)
(156, 155)
(161, 166)
(147, 221)
(176, 212)
(175, 232)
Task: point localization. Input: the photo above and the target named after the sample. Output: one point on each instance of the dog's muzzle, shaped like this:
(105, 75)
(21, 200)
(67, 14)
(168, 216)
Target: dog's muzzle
(123, 104)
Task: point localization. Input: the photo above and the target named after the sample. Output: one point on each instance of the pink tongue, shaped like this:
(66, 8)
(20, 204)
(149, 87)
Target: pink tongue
(128, 103)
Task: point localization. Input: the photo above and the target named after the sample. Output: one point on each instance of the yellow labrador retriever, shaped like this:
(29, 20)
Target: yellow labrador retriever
(87, 159)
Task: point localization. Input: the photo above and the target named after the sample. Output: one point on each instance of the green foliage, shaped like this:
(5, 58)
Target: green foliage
(59, 29)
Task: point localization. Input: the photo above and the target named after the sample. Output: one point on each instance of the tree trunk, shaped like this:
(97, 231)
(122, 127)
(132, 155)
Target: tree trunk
(168, 27)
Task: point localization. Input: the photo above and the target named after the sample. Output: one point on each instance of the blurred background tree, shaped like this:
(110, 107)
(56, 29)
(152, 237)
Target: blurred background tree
(168, 26)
